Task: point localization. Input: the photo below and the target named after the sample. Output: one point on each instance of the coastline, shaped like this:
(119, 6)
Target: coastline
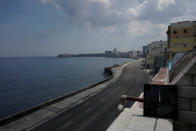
(31, 110)
(27, 82)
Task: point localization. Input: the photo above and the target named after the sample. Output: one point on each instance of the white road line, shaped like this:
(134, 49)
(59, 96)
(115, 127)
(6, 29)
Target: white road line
(89, 109)
(80, 101)
(67, 124)
(65, 117)
(92, 94)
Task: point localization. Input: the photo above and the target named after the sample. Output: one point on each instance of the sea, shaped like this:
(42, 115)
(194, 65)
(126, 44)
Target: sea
(26, 82)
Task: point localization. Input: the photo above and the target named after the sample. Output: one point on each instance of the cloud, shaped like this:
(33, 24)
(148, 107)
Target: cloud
(159, 11)
(146, 29)
(139, 18)
(165, 3)
(165, 11)
(105, 2)
(106, 13)
(93, 13)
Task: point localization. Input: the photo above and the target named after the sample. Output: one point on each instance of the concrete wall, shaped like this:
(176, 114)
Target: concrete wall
(186, 109)
(186, 81)
(180, 64)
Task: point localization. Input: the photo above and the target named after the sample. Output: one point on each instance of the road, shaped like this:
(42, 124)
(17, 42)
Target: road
(98, 112)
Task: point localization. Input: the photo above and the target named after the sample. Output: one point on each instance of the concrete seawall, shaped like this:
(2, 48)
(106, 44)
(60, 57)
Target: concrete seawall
(27, 118)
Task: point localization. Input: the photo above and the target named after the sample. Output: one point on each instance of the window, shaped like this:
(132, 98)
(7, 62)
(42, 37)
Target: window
(179, 45)
(185, 30)
(174, 32)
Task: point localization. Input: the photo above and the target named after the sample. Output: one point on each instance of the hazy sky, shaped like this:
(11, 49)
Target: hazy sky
(50, 27)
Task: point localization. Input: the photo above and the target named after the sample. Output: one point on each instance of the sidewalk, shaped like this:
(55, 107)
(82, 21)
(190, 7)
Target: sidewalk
(132, 119)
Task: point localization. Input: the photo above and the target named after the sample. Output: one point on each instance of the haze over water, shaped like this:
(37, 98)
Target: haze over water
(26, 82)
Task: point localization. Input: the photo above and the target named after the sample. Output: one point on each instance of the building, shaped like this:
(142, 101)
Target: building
(145, 49)
(122, 54)
(115, 51)
(109, 54)
(181, 37)
(135, 54)
(155, 55)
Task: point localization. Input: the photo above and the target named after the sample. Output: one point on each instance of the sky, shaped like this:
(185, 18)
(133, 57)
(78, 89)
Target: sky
(51, 27)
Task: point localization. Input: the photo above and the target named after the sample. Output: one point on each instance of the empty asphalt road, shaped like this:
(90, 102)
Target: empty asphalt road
(98, 112)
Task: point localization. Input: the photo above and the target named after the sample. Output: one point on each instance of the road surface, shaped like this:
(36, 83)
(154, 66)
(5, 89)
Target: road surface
(98, 112)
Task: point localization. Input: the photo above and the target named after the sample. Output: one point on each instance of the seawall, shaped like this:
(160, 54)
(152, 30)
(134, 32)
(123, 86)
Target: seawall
(56, 105)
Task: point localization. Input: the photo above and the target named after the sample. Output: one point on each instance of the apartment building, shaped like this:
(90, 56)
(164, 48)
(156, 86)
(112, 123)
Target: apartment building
(181, 37)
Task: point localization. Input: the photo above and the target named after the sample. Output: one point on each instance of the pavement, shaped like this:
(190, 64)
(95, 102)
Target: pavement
(132, 119)
(98, 112)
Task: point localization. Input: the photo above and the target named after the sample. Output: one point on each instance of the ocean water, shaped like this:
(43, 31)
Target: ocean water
(26, 82)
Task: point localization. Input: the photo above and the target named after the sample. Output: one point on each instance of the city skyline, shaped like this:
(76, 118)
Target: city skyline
(50, 27)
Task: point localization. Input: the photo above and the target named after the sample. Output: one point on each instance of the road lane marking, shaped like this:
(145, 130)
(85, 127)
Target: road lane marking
(66, 125)
(80, 101)
(89, 109)
(92, 94)
(65, 117)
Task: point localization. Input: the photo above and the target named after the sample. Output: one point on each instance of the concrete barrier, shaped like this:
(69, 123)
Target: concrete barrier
(185, 78)
(162, 78)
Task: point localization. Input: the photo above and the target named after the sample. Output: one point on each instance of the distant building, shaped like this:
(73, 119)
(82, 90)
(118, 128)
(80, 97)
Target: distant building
(123, 54)
(145, 49)
(181, 37)
(139, 53)
(109, 54)
(115, 51)
(135, 54)
(130, 54)
(119, 54)
(155, 55)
